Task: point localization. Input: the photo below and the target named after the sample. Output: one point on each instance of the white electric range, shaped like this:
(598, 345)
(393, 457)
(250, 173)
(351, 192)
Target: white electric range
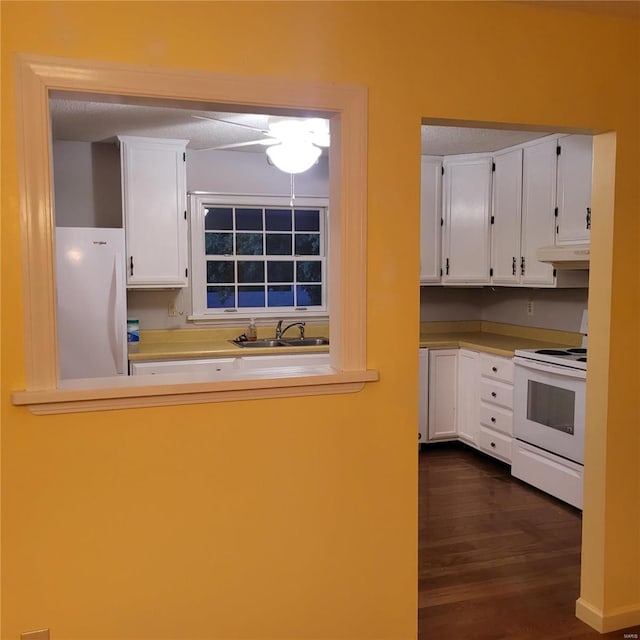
(549, 419)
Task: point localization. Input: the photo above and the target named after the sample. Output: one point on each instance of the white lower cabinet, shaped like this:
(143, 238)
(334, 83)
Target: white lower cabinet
(423, 395)
(496, 406)
(443, 376)
(468, 396)
(471, 399)
(495, 443)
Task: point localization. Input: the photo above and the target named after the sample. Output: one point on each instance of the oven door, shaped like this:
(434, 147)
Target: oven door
(549, 407)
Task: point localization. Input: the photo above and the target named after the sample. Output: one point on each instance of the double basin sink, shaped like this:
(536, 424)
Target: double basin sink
(281, 342)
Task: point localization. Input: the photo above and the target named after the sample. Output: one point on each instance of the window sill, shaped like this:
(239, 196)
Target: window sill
(132, 392)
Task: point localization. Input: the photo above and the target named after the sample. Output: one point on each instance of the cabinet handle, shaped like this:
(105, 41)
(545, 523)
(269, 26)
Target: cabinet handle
(493, 394)
(447, 267)
(493, 419)
(588, 217)
(513, 266)
(493, 444)
(522, 266)
(419, 436)
(131, 266)
(494, 369)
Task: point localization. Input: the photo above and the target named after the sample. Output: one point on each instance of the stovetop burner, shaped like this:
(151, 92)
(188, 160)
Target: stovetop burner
(573, 357)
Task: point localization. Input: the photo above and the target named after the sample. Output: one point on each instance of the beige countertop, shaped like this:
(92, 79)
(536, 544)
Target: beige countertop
(490, 337)
(186, 344)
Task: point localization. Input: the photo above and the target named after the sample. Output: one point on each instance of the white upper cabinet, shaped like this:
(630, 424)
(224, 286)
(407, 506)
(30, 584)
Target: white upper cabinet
(154, 207)
(467, 220)
(574, 189)
(430, 218)
(507, 218)
(538, 210)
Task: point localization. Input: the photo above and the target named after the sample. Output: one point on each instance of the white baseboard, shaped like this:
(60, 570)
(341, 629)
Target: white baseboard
(618, 618)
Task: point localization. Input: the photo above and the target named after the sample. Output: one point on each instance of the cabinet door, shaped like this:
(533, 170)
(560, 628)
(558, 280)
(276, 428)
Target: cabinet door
(538, 210)
(574, 189)
(154, 204)
(430, 219)
(468, 399)
(507, 217)
(442, 393)
(423, 395)
(467, 218)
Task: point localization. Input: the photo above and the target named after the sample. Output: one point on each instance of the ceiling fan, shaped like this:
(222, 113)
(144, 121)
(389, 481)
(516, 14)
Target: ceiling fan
(293, 144)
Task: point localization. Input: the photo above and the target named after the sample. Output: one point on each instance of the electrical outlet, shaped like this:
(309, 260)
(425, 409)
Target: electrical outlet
(529, 307)
(40, 634)
(172, 310)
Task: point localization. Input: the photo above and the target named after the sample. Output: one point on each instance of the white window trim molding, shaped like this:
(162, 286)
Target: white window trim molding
(198, 283)
(346, 108)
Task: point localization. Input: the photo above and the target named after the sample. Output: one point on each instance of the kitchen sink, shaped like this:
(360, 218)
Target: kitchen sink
(272, 342)
(305, 342)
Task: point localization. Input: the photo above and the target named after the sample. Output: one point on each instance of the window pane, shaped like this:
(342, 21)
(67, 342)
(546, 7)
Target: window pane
(218, 244)
(307, 220)
(251, 296)
(281, 271)
(220, 297)
(250, 219)
(278, 244)
(250, 271)
(249, 244)
(308, 244)
(219, 271)
(309, 295)
(308, 271)
(218, 218)
(278, 219)
(280, 296)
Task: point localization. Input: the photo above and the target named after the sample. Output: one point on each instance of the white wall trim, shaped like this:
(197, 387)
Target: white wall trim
(344, 105)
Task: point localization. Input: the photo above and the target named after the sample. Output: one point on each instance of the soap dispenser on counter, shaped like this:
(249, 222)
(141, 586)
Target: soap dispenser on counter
(252, 332)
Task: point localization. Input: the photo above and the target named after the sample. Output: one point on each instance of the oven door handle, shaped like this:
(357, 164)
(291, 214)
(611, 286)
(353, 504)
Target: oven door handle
(559, 370)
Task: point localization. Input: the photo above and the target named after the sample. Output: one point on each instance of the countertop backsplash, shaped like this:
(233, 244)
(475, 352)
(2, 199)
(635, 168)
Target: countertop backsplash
(559, 309)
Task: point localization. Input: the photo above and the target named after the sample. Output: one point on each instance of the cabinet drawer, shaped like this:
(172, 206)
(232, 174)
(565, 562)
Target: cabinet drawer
(496, 418)
(497, 368)
(497, 444)
(496, 393)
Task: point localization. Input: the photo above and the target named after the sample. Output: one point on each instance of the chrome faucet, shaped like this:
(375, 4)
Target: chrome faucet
(280, 331)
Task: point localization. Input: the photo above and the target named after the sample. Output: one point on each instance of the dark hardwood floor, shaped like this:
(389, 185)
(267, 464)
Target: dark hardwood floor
(498, 560)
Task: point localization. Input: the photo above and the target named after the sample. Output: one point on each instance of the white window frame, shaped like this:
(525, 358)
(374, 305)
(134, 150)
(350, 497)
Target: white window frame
(345, 106)
(200, 313)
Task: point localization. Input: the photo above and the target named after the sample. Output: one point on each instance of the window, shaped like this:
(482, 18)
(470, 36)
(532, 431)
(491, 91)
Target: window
(346, 107)
(258, 257)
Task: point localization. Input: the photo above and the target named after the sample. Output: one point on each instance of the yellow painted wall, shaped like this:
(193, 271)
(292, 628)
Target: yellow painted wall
(297, 518)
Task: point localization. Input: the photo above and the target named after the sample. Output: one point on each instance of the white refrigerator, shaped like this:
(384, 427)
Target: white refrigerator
(91, 302)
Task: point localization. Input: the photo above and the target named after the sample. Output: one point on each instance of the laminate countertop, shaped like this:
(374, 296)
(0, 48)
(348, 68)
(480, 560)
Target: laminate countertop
(488, 337)
(189, 344)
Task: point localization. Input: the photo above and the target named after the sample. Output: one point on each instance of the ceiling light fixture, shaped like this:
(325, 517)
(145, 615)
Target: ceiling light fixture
(293, 157)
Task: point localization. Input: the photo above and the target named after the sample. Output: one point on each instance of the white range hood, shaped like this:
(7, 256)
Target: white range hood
(569, 257)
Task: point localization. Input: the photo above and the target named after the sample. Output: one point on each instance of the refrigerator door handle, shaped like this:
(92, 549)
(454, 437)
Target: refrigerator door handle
(119, 326)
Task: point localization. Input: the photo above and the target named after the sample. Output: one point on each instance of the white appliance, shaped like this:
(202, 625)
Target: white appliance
(91, 302)
(549, 419)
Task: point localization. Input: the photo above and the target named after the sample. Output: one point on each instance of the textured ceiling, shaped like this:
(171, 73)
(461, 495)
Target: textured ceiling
(93, 121)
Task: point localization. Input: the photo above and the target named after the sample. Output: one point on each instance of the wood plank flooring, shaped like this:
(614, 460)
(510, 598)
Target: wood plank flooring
(498, 560)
